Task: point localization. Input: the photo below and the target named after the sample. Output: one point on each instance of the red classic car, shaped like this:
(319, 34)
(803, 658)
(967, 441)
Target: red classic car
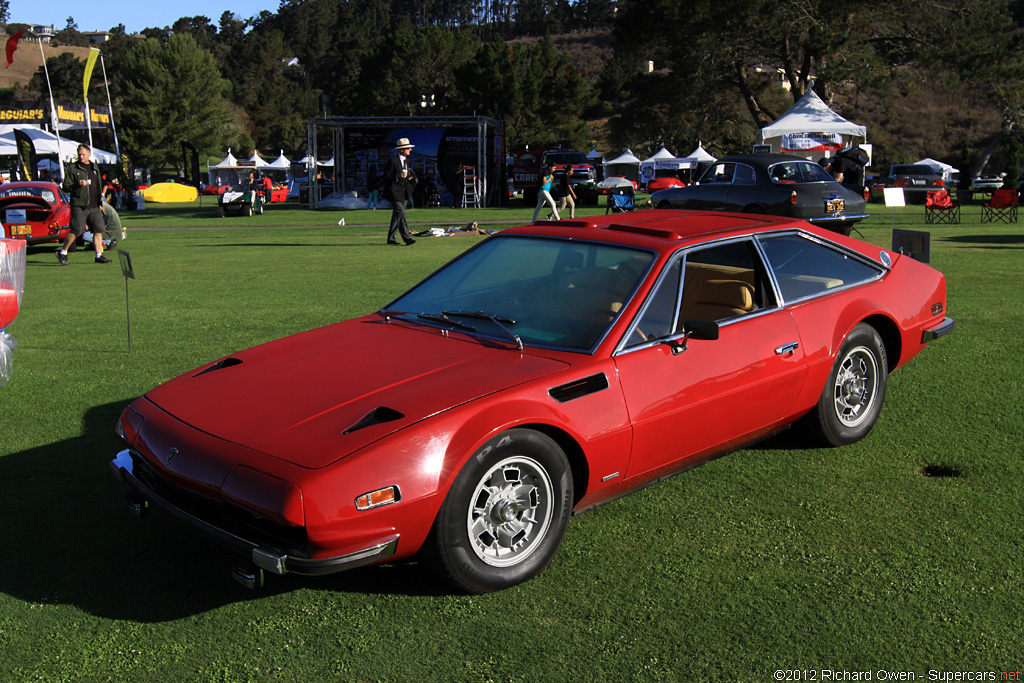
(34, 211)
(545, 371)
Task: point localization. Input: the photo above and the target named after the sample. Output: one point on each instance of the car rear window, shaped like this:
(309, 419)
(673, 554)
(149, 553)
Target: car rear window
(913, 169)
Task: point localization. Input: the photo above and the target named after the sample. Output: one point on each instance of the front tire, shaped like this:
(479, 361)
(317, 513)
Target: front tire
(852, 398)
(505, 515)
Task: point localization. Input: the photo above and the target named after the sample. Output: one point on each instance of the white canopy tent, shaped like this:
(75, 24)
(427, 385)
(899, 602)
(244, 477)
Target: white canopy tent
(280, 163)
(45, 143)
(700, 155)
(626, 165)
(229, 160)
(812, 130)
(662, 160)
(256, 159)
(945, 169)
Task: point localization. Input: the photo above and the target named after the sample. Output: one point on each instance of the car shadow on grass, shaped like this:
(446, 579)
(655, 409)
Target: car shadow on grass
(69, 539)
(988, 241)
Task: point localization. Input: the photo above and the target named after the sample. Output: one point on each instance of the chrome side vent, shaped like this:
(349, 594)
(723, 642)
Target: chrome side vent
(579, 388)
(375, 417)
(226, 363)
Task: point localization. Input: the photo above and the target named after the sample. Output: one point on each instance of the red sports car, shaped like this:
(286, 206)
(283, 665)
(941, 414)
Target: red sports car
(545, 371)
(34, 211)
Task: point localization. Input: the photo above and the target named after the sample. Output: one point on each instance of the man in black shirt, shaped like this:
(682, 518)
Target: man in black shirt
(82, 184)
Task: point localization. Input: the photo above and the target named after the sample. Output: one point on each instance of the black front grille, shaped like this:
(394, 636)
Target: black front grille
(285, 540)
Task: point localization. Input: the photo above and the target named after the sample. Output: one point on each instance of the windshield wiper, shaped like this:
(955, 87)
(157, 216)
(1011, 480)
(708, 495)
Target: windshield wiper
(496, 319)
(445, 320)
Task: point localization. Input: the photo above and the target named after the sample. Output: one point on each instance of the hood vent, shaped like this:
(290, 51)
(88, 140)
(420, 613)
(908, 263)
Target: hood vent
(375, 417)
(226, 363)
(579, 388)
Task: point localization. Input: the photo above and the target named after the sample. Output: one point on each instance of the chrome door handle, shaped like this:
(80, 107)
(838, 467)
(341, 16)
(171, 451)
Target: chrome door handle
(787, 348)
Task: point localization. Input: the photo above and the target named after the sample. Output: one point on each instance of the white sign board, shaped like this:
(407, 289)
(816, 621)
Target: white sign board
(894, 196)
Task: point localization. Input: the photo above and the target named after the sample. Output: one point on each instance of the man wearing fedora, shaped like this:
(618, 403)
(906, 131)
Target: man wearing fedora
(398, 183)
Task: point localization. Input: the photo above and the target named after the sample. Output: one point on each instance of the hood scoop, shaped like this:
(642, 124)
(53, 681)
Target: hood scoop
(375, 417)
(226, 363)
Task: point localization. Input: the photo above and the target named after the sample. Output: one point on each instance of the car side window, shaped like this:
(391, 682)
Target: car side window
(719, 173)
(718, 283)
(804, 267)
(743, 175)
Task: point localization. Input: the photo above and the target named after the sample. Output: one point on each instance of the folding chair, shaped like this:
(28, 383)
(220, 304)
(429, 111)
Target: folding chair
(939, 207)
(620, 201)
(1002, 207)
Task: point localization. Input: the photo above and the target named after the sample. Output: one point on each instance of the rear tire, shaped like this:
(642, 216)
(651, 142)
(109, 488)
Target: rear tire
(852, 398)
(505, 515)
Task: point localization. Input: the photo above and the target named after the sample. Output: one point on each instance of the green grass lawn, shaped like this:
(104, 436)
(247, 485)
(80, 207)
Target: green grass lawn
(776, 557)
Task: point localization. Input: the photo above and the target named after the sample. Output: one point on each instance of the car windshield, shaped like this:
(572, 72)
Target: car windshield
(565, 158)
(46, 193)
(531, 290)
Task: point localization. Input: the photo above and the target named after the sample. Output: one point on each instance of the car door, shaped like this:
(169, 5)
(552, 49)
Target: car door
(716, 393)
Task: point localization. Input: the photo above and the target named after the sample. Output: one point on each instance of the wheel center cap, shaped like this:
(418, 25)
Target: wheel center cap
(505, 511)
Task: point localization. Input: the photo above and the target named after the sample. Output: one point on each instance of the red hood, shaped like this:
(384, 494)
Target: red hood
(295, 398)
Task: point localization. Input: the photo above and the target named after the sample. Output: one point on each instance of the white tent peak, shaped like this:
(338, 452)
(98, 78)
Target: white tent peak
(701, 155)
(229, 160)
(810, 114)
(281, 162)
(256, 159)
(662, 153)
(626, 157)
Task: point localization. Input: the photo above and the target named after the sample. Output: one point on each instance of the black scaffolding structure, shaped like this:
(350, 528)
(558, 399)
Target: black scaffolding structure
(481, 137)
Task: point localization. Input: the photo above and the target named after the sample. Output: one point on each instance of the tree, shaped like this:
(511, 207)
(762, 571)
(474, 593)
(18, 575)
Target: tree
(413, 63)
(5, 11)
(171, 93)
(538, 91)
(276, 97)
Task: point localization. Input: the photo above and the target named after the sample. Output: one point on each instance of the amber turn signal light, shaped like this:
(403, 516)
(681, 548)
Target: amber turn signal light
(375, 499)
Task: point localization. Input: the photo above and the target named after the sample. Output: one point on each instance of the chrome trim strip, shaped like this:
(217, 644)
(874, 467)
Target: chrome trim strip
(831, 219)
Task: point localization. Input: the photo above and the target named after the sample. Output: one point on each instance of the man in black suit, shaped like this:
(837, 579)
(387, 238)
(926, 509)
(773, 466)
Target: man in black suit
(398, 183)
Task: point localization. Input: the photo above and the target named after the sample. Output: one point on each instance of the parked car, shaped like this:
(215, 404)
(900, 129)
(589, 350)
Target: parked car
(664, 183)
(527, 166)
(986, 183)
(34, 211)
(545, 371)
(777, 184)
(917, 180)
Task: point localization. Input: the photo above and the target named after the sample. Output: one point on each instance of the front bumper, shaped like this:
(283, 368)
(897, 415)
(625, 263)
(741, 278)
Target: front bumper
(263, 554)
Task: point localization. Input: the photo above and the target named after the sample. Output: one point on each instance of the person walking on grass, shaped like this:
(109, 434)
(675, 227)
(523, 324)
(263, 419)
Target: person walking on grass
(82, 184)
(544, 193)
(568, 194)
(398, 185)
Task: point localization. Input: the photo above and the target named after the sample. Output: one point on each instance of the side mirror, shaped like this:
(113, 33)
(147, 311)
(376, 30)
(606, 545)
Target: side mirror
(705, 330)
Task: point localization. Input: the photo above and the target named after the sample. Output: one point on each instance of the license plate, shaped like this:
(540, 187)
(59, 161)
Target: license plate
(835, 205)
(21, 230)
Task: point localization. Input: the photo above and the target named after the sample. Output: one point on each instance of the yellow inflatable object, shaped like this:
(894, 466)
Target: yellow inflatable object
(170, 192)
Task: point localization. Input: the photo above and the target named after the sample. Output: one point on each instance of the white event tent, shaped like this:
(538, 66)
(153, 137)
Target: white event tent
(945, 169)
(662, 160)
(229, 160)
(45, 143)
(626, 165)
(701, 155)
(811, 129)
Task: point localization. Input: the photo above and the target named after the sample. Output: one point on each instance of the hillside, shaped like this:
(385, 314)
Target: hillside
(27, 60)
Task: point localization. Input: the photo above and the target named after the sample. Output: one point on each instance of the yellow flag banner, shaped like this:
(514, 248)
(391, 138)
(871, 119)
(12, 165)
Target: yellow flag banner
(94, 53)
